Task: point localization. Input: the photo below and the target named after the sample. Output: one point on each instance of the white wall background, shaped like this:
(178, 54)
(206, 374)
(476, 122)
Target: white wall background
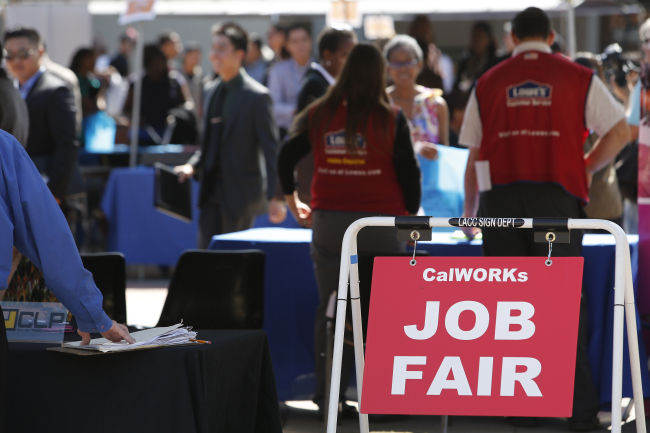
(65, 27)
(68, 26)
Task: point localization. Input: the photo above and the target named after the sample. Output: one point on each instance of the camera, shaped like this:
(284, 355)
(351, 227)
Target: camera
(616, 65)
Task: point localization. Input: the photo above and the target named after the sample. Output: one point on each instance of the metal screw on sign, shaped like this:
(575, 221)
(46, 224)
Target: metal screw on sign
(415, 235)
(550, 237)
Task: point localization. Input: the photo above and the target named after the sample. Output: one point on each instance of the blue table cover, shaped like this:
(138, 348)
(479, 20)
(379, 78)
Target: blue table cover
(139, 231)
(135, 228)
(291, 298)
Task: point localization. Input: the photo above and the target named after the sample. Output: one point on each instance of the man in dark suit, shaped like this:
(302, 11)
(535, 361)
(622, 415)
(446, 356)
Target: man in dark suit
(237, 160)
(14, 117)
(52, 142)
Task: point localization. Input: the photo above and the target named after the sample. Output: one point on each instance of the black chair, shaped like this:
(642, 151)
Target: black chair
(216, 290)
(109, 273)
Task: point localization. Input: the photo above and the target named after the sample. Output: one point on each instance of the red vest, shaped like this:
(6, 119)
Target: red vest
(364, 181)
(532, 110)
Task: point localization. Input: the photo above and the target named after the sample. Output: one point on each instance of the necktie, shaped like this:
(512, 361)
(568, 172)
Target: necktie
(216, 126)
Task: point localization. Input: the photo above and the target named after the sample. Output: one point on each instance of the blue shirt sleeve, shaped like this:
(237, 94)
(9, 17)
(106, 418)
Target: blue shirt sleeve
(634, 117)
(31, 220)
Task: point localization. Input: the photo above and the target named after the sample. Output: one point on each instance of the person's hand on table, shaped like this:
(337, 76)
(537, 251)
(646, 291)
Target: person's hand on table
(427, 150)
(184, 171)
(277, 211)
(116, 334)
(300, 211)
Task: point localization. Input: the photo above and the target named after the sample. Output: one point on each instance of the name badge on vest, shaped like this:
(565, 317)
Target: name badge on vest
(216, 120)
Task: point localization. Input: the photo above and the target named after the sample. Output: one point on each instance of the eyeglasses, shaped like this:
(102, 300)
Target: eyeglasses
(22, 55)
(398, 65)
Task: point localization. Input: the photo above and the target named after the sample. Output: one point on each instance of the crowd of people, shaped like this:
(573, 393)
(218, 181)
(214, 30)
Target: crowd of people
(337, 137)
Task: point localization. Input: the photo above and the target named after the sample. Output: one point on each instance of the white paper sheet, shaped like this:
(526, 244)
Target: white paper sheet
(169, 336)
(483, 177)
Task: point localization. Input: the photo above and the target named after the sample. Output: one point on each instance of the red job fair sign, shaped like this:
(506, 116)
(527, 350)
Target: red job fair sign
(492, 336)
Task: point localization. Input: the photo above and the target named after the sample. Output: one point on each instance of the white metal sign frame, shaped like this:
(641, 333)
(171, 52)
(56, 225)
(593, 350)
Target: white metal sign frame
(623, 303)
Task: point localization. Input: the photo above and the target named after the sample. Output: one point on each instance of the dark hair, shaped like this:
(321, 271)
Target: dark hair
(233, 31)
(298, 26)
(79, 57)
(284, 54)
(167, 37)
(2, 54)
(151, 52)
(24, 32)
(362, 82)
(456, 100)
(192, 46)
(280, 28)
(255, 39)
(531, 23)
(484, 26)
(587, 62)
(330, 39)
(420, 28)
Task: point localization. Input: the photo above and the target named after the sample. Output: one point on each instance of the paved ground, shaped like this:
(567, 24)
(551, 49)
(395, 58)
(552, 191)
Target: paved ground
(145, 300)
(303, 420)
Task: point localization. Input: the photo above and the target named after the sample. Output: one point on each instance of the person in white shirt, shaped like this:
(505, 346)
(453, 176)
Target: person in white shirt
(285, 76)
(525, 125)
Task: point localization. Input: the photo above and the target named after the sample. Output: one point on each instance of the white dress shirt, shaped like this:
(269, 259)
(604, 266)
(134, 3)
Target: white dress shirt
(602, 111)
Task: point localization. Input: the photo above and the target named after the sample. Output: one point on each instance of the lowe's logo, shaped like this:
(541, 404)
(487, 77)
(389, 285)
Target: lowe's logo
(530, 89)
(335, 143)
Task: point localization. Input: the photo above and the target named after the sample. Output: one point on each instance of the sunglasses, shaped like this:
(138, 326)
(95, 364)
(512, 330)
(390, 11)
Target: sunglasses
(22, 55)
(398, 65)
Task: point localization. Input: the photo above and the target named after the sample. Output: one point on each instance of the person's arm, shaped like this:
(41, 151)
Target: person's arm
(191, 167)
(128, 102)
(633, 133)
(283, 110)
(61, 123)
(606, 117)
(290, 154)
(185, 96)
(406, 166)
(606, 148)
(194, 164)
(634, 112)
(267, 137)
(443, 121)
(41, 233)
(308, 94)
(471, 185)
(471, 135)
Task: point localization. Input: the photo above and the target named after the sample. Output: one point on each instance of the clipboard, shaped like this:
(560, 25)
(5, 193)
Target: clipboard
(171, 197)
(82, 352)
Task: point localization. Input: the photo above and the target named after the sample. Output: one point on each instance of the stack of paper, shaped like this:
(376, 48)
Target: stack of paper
(170, 336)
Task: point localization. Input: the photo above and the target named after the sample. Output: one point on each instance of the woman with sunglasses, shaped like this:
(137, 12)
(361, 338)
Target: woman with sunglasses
(424, 108)
(364, 166)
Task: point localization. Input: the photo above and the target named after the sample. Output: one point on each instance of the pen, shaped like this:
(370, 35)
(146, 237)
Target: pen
(201, 341)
